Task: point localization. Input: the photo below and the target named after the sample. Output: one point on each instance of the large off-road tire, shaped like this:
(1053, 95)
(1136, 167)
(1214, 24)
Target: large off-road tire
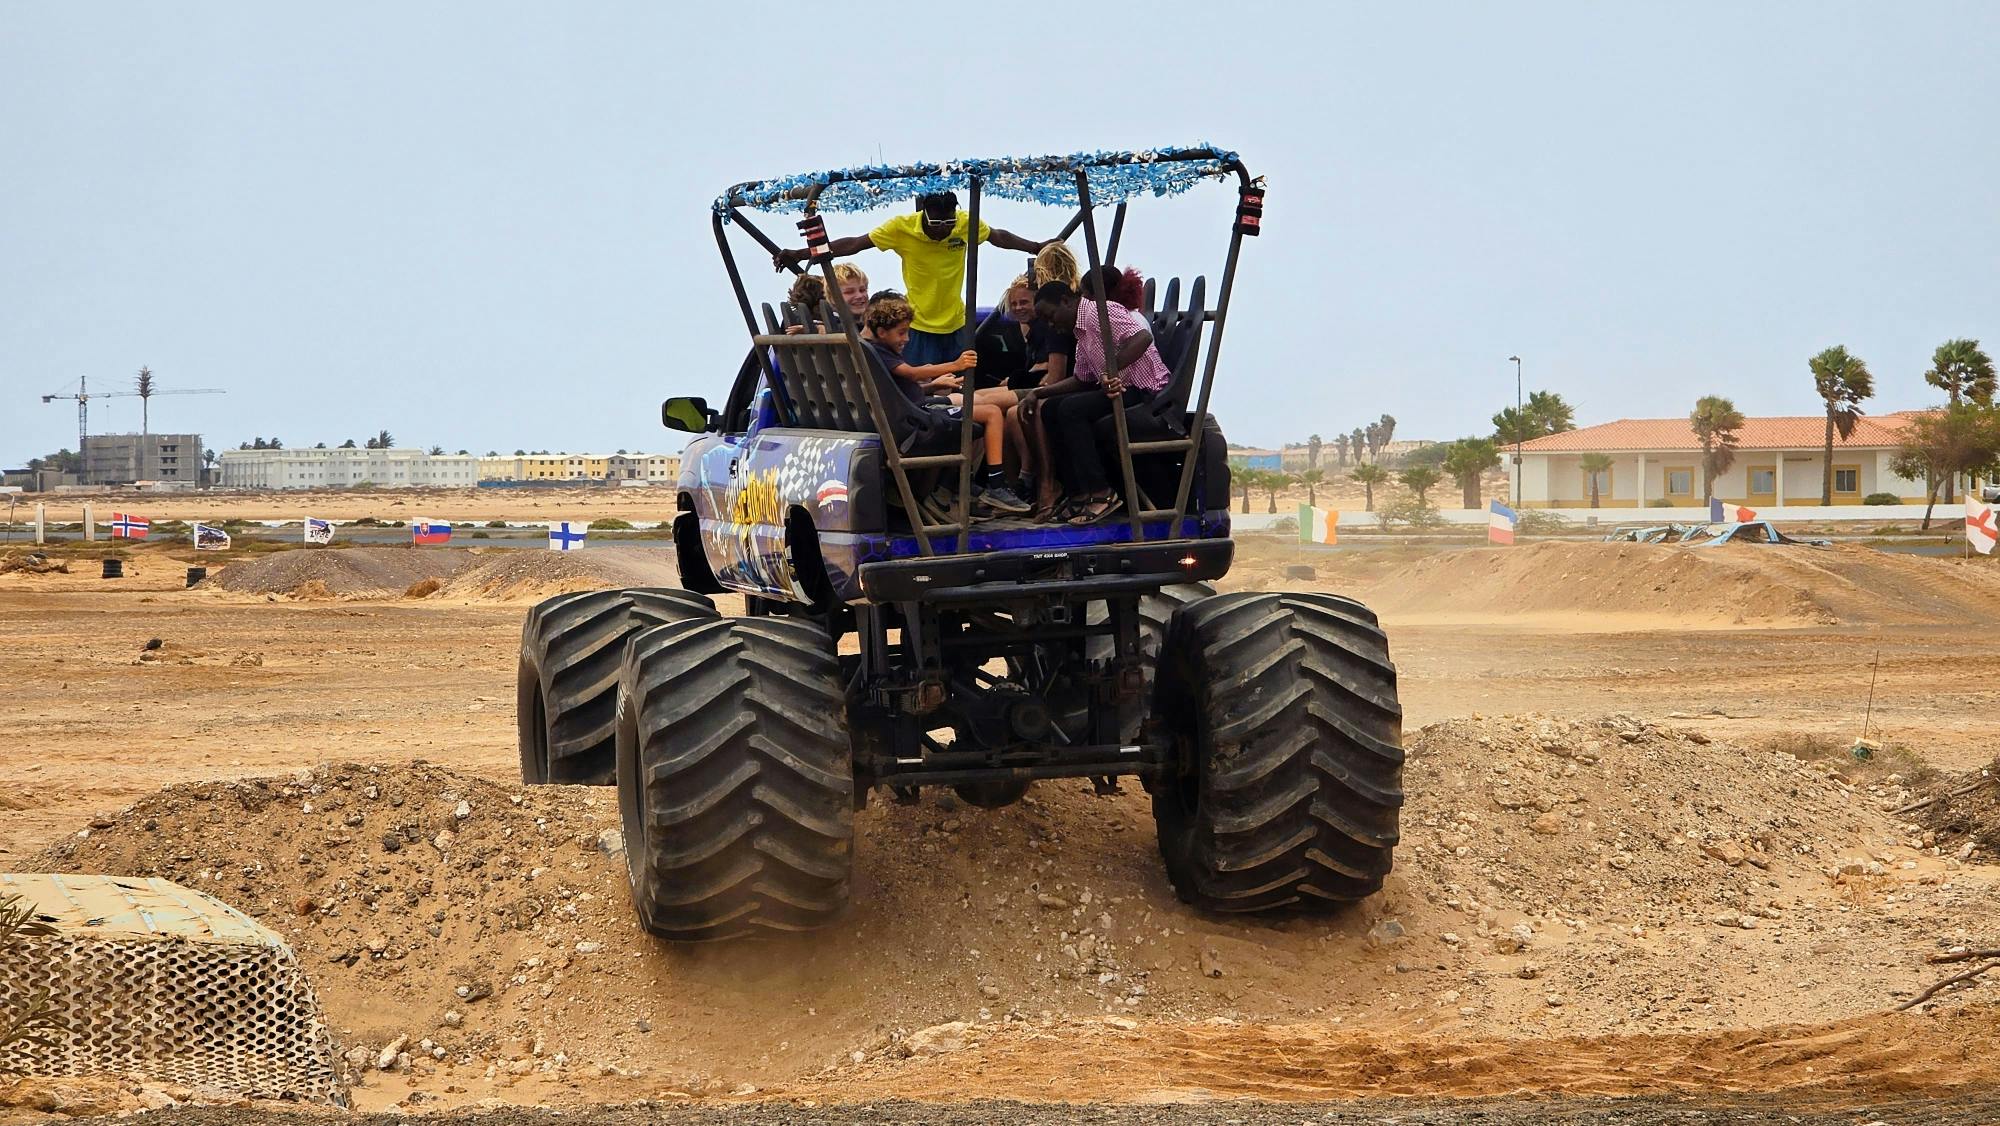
(735, 778)
(1284, 706)
(566, 687)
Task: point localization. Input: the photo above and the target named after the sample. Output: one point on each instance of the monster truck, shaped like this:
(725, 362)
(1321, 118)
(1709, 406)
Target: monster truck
(892, 641)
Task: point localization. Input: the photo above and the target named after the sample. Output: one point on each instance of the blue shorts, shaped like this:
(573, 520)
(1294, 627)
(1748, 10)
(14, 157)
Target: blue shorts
(934, 347)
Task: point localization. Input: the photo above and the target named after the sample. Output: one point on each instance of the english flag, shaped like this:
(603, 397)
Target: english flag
(319, 531)
(1318, 525)
(423, 530)
(1979, 530)
(128, 527)
(210, 539)
(1720, 513)
(1500, 521)
(561, 538)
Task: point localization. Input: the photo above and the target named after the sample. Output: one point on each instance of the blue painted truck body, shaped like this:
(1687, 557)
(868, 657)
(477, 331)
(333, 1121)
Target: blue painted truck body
(749, 491)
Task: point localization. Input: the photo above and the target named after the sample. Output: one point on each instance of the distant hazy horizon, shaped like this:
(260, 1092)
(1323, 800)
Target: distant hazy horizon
(485, 226)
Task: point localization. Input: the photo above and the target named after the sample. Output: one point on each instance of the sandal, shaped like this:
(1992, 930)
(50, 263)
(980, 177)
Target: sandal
(1093, 511)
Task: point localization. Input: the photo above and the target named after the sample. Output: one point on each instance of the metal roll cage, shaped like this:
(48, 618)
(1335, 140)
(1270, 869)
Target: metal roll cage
(754, 194)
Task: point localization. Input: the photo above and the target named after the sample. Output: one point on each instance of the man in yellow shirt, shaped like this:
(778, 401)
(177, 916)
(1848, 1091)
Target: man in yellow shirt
(932, 242)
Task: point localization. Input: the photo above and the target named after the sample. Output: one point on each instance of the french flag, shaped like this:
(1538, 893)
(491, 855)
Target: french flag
(1720, 513)
(429, 531)
(1500, 521)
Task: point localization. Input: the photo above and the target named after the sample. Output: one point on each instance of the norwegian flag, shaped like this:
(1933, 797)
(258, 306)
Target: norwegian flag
(1720, 513)
(125, 526)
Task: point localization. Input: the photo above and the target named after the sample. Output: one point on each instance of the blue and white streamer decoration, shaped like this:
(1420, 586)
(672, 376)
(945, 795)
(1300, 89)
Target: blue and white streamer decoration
(1114, 176)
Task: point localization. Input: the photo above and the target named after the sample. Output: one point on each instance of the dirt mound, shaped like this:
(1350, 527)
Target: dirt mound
(1713, 586)
(342, 572)
(509, 575)
(1592, 863)
(479, 574)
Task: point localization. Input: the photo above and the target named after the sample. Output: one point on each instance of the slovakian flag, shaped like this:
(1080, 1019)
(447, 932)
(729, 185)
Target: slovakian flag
(125, 526)
(563, 536)
(210, 539)
(319, 531)
(1721, 513)
(1500, 522)
(423, 530)
(1979, 530)
(1318, 525)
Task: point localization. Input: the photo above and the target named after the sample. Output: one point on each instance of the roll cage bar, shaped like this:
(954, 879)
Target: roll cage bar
(1038, 179)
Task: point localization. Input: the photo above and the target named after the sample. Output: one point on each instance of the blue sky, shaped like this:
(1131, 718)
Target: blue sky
(485, 225)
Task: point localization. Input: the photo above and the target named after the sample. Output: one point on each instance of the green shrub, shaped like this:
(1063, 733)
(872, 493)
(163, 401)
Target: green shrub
(1410, 512)
(367, 522)
(481, 536)
(1540, 522)
(496, 523)
(1881, 498)
(610, 524)
(1286, 524)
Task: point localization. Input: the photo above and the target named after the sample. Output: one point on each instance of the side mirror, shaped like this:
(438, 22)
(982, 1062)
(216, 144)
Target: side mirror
(688, 413)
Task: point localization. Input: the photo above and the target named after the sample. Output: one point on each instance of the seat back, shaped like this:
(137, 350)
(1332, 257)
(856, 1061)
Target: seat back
(1177, 333)
(824, 383)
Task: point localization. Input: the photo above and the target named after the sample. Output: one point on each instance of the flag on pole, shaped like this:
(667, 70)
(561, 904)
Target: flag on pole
(210, 539)
(319, 531)
(425, 530)
(1720, 513)
(1318, 525)
(125, 526)
(562, 538)
(1500, 523)
(1979, 530)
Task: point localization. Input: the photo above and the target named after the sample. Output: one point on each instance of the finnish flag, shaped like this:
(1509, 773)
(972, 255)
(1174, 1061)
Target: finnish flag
(563, 538)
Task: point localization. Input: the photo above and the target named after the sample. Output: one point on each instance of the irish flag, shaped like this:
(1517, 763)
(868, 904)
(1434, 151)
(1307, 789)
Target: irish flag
(1500, 521)
(1318, 525)
(1979, 530)
(1721, 513)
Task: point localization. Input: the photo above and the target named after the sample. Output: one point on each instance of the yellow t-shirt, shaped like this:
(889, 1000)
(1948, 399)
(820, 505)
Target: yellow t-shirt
(933, 272)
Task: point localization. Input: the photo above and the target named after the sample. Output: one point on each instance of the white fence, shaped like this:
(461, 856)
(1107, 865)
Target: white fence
(1608, 518)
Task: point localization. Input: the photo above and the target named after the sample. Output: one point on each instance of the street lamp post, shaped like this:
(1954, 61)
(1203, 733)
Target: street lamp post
(1519, 420)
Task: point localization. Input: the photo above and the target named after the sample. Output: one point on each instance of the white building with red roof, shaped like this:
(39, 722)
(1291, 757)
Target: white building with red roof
(1656, 462)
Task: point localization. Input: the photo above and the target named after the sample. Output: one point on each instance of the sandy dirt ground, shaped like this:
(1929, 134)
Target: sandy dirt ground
(1637, 858)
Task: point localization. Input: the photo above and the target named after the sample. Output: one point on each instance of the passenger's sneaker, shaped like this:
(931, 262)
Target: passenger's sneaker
(1000, 498)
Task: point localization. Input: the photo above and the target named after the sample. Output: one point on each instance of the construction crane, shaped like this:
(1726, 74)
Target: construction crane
(144, 393)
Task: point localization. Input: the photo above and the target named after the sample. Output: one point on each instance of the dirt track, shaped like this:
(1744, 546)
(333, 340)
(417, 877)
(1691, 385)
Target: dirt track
(1619, 899)
(1970, 1109)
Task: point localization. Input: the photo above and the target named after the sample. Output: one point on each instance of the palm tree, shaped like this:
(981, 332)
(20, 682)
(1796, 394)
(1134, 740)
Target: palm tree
(1312, 451)
(1370, 475)
(384, 440)
(1420, 479)
(1388, 425)
(1595, 465)
(1468, 459)
(1373, 432)
(1247, 479)
(436, 450)
(1340, 449)
(349, 444)
(1842, 381)
(1549, 414)
(1357, 443)
(1271, 483)
(1715, 421)
(1959, 368)
(1312, 479)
